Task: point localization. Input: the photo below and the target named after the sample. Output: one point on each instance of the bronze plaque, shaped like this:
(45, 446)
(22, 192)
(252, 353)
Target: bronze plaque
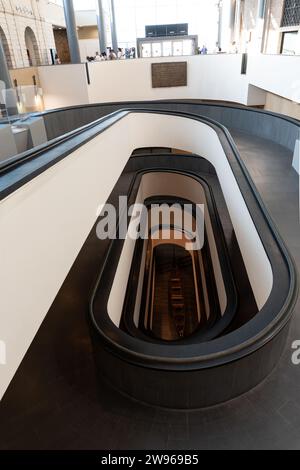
(169, 74)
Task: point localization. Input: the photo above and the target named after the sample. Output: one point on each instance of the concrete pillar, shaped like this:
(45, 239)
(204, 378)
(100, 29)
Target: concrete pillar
(220, 23)
(8, 146)
(237, 22)
(101, 27)
(226, 24)
(114, 38)
(72, 31)
(258, 38)
(296, 158)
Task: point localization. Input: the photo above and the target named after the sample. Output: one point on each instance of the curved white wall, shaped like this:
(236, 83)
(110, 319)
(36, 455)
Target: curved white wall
(44, 224)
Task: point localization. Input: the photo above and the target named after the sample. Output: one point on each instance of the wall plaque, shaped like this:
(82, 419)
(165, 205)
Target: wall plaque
(169, 74)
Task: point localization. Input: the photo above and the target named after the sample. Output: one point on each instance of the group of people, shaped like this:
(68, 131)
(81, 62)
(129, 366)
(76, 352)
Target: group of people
(204, 50)
(218, 50)
(111, 54)
(130, 53)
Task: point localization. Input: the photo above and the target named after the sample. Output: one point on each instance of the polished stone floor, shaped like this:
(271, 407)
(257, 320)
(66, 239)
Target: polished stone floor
(54, 402)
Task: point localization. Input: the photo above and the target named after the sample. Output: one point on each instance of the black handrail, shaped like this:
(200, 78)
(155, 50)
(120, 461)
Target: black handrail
(173, 101)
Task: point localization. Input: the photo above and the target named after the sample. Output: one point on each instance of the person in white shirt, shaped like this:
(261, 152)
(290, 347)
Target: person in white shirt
(120, 53)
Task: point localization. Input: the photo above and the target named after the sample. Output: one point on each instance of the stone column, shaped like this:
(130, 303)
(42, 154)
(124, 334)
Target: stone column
(220, 22)
(101, 27)
(72, 31)
(114, 38)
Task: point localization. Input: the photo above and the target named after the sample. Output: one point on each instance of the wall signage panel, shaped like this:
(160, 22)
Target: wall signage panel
(169, 74)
